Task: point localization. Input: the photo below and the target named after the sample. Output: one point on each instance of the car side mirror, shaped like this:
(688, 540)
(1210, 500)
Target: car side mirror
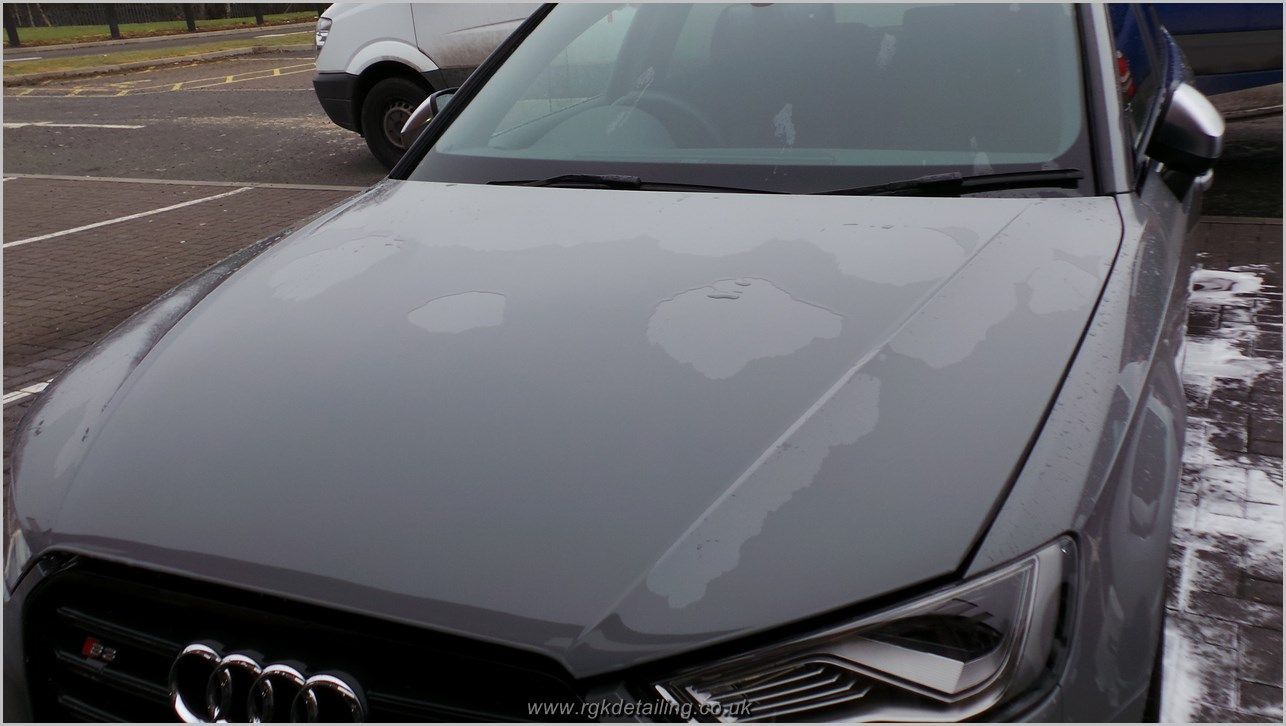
(1190, 137)
(425, 112)
(438, 101)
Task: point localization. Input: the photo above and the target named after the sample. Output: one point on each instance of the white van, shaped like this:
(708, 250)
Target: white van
(377, 62)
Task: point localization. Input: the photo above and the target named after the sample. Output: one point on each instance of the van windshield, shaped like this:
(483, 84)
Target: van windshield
(777, 96)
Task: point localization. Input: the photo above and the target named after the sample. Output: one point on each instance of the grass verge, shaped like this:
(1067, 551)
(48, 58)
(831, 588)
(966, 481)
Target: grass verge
(35, 37)
(15, 70)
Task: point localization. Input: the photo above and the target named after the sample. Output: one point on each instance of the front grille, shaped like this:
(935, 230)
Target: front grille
(100, 640)
(779, 691)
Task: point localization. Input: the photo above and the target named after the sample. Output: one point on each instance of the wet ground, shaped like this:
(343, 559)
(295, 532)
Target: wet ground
(252, 119)
(1248, 179)
(1223, 659)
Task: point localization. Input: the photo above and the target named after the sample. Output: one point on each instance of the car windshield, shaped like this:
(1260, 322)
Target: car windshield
(776, 96)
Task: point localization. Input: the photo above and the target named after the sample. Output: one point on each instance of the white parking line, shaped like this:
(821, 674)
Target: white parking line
(21, 393)
(54, 125)
(127, 218)
(19, 60)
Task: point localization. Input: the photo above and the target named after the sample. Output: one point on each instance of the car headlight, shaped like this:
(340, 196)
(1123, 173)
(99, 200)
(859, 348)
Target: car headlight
(948, 656)
(323, 31)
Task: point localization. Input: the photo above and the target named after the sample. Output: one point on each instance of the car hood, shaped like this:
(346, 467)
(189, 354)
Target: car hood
(608, 426)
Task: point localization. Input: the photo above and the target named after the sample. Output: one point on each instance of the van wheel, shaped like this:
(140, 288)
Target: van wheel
(385, 110)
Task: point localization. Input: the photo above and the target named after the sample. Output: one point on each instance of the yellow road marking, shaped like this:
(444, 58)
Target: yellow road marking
(119, 89)
(224, 79)
(188, 87)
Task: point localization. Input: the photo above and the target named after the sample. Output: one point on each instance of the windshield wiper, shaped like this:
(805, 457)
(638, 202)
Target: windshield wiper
(622, 181)
(954, 183)
(612, 181)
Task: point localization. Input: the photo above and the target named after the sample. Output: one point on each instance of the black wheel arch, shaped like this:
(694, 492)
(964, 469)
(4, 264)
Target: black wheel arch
(377, 72)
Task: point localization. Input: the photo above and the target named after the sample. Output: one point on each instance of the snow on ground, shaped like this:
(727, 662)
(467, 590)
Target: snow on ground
(1219, 358)
(1228, 520)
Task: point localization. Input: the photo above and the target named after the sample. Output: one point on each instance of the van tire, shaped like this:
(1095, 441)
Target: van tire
(386, 107)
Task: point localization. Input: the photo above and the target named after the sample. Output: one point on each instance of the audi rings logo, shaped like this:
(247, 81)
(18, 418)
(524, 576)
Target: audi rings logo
(206, 686)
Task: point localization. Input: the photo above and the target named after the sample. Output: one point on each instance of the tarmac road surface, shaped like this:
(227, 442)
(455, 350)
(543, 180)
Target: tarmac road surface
(247, 119)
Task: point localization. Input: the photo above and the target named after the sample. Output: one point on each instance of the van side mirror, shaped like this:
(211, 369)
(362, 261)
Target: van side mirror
(425, 112)
(1190, 137)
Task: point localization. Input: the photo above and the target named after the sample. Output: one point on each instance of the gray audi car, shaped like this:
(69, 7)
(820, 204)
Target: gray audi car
(753, 362)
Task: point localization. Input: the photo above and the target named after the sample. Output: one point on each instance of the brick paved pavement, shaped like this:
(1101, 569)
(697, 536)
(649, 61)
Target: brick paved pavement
(1224, 630)
(41, 206)
(62, 294)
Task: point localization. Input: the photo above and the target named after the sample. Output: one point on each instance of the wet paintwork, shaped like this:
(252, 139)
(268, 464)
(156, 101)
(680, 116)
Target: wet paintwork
(1107, 463)
(608, 426)
(461, 312)
(749, 320)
